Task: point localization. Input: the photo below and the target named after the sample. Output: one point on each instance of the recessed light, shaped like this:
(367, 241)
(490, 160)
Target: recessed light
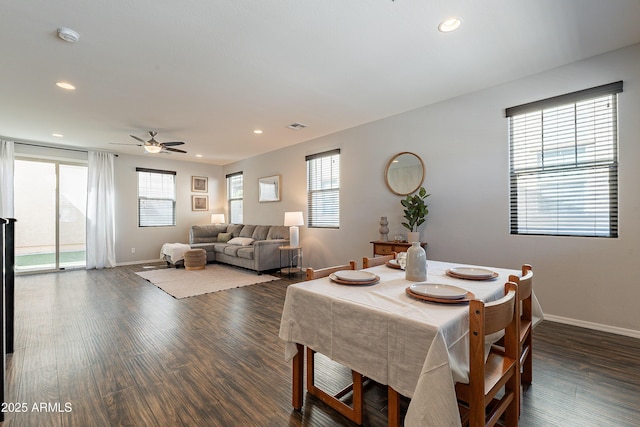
(65, 85)
(450, 24)
(198, 155)
(68, 35)
(257, 131)
(57, 135)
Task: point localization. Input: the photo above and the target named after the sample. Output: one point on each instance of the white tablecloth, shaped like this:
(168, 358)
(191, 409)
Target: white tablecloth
(418, 348)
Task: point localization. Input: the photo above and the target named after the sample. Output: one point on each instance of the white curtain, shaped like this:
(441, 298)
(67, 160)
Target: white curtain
(6, 179)
(100, 211)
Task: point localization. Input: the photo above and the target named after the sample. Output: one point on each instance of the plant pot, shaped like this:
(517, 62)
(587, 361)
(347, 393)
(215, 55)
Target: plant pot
(413, 236)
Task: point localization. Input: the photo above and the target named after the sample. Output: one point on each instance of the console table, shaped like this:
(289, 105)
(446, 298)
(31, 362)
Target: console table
(385, 248)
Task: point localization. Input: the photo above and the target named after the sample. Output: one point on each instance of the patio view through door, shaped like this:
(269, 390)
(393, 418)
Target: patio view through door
(50, 208)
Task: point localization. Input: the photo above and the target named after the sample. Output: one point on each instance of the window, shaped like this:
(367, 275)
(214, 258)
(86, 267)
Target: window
(234, 197)
(323, 189)
(156, 198)
(564, 164)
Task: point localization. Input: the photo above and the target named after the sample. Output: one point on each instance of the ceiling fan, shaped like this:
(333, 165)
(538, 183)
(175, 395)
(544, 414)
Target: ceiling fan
(153, 146)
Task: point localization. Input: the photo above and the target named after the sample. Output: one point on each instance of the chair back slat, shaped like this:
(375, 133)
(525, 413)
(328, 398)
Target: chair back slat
(498, 314)
(312, 274)
(378, 260)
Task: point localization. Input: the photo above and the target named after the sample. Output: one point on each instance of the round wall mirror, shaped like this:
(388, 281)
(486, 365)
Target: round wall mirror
(405, 173)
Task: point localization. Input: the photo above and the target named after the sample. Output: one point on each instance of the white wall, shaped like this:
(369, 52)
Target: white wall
(147, 241)
(464, 144)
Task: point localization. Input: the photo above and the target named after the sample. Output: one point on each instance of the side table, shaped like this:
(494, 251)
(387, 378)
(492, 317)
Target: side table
(294, 255)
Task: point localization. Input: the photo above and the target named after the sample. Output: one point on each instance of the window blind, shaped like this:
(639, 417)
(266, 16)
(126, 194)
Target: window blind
(235, 197)
(323, 189)
(564, 164)
(156, 198)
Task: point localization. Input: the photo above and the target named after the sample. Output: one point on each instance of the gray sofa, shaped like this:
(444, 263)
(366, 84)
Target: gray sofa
(255, 247)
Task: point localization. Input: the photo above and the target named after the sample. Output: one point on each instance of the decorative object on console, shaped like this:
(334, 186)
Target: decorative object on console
(217, 218)
(415, 211)
(416, 268)
(293, 220)
(384, 230)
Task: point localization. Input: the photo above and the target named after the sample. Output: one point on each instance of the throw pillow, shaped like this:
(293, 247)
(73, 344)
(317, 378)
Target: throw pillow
(224, 237)
(242, 241)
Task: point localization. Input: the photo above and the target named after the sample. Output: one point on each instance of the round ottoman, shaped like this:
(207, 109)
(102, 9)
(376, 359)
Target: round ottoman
(195, 259)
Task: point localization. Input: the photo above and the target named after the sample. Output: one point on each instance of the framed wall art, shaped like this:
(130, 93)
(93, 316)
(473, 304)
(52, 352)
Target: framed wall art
(199, 203)
(199, 184)
(269, 189)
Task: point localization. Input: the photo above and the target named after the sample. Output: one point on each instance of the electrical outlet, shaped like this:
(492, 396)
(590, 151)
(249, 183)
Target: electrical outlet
(133, 250)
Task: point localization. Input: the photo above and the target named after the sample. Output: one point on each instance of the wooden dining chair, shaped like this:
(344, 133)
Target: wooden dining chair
(378, 260)
(525, 292)
(354, 412)
(480, 405)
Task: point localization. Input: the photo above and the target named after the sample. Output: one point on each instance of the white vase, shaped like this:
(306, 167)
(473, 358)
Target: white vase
(413, 236)
(416, 269)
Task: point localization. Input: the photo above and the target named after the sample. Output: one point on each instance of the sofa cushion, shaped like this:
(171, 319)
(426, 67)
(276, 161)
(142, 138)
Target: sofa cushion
(247, 231)
(240, 241)
(231, 250)
(206, 233)
(235, 229)
(224, 237)
(245, 252)
(219, 247)
(278, 232)
(260, 232)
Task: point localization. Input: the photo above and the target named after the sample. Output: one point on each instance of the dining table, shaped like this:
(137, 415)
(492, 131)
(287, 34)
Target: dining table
(385, 332)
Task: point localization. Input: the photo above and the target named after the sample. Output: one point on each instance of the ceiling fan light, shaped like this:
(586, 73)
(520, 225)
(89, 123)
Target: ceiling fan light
(153, 148)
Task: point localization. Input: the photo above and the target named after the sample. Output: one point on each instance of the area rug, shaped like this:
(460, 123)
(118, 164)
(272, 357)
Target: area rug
(181, 283)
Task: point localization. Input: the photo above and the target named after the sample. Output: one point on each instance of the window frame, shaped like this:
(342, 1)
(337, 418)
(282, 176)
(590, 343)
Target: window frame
(563, 164)
(235, 200)
(323, 190)
(159, 173)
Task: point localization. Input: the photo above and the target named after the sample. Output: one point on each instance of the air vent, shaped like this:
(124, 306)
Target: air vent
(296, 126)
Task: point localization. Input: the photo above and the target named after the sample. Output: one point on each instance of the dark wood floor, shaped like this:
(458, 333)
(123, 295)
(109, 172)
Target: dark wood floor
(107, 348)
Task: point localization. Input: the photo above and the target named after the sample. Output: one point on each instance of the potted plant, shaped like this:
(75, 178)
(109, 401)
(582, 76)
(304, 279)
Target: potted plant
(415, 211)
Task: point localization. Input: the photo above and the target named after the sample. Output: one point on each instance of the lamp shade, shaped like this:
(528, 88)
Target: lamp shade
(217, 218)
(293, 218)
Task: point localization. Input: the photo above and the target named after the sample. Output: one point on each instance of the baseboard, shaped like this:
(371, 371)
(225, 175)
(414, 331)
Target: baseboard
(590, 325)
(120, 264)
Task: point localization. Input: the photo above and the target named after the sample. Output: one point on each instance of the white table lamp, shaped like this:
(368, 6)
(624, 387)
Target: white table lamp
(293, 220)
(217, 218)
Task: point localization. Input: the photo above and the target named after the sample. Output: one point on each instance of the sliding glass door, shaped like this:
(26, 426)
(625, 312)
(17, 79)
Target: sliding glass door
(50, 208)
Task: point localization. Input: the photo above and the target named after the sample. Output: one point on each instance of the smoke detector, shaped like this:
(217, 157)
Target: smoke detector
(68, 35)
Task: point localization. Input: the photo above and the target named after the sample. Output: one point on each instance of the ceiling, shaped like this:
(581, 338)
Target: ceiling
(210, 72)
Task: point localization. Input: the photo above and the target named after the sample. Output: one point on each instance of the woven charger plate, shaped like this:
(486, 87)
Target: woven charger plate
(464, 276)
(468, 297)
(333, 277)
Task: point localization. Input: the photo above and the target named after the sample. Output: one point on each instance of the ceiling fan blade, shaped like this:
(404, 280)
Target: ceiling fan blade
(175, 150)
(135, 137)
(126, 143)
(168, 144)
